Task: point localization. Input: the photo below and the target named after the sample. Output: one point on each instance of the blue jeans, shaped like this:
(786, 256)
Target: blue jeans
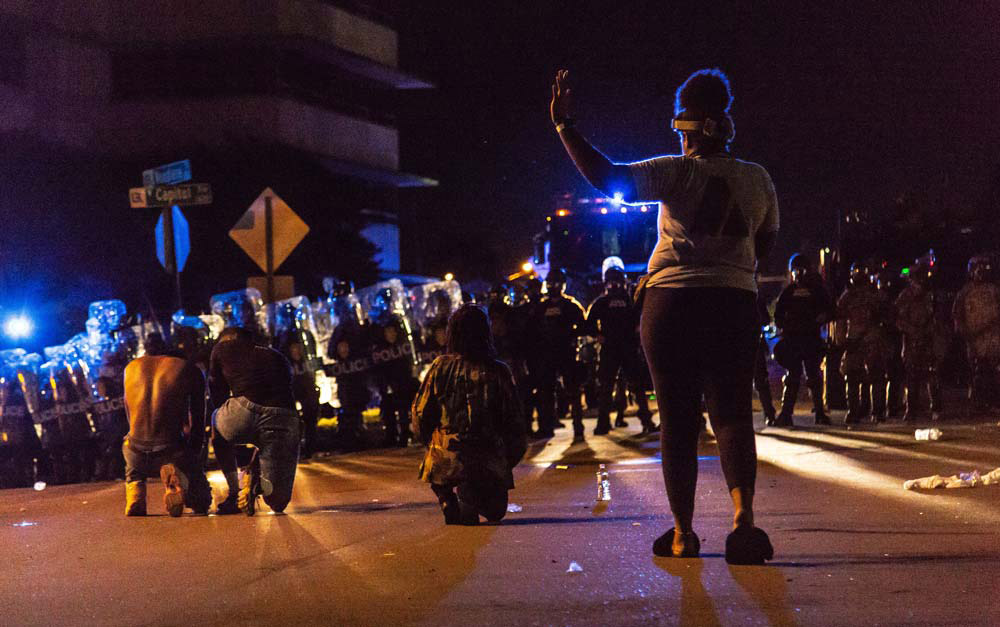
(275, 433)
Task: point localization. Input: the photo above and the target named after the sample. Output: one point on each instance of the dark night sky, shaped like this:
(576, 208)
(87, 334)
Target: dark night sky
(846, 105)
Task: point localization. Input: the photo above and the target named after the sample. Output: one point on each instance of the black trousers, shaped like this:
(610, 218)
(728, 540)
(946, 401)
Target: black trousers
(703, 341)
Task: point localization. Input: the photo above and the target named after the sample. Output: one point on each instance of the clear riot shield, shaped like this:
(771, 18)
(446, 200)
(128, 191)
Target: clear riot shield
(293, 322)
(8, 374)
(435, 302)
(336, 310)
(386, 304)
(240, 308)
(27, 377)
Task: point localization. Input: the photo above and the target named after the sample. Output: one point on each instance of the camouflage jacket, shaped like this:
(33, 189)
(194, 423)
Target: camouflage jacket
(976, 309)
(468, 416)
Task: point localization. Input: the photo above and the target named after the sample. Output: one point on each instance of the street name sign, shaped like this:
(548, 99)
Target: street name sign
(250, 234)
(167, 195)
(169, 174)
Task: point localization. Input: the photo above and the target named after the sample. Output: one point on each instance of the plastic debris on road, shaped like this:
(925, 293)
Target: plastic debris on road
(25, 523)
(574, 568)
(561, 467)
(514, 508)
(969, 479)
(40, 485)
(925, 435)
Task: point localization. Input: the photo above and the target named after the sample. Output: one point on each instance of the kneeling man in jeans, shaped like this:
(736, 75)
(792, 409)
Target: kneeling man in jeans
(251, 387)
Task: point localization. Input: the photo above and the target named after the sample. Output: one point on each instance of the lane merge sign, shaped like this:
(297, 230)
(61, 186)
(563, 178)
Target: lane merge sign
(169, 174)
(169, 195)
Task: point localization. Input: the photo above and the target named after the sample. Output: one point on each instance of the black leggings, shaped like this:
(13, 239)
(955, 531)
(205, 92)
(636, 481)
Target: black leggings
(702, 341)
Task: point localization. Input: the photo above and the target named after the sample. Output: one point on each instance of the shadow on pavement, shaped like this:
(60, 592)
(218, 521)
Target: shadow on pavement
(553, 520)
(888, 560)
(767, 589)
(889, 532)
(697, 607)
(362, 508)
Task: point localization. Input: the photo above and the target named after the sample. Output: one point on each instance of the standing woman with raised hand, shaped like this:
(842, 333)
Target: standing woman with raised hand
(718, 216)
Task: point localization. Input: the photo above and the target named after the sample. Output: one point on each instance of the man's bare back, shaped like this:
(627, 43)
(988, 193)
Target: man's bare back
(165, 400)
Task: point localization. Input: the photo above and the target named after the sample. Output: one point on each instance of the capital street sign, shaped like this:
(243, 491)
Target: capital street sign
(169, 174)
(167, 195)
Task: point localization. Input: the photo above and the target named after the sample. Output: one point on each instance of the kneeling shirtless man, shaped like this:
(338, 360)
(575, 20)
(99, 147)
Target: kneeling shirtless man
(165, 402)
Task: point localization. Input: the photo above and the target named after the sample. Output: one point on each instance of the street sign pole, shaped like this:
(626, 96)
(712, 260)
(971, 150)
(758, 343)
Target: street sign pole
(170, 252)
(269, 254)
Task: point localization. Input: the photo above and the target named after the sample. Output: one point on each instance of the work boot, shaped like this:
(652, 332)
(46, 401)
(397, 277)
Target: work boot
(228, 506)
(769, 415)
(853, 403)
(135, 498)
(620, 422)
(878, 400)
(603, 425)
(175, 485)
(789, 394)
(250, 488)
(199, 495)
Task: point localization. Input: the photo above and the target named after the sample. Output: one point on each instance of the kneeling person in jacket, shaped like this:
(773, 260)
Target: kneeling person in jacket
(468, 416)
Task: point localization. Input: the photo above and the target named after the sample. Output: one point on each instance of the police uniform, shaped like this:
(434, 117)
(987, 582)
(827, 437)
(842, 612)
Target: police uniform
(19, 444)
(613, 318)
(977, 319)
(865, 352)
(392, 359)
(915, 320)
(801, 309)
(349, 348)
(559, 320)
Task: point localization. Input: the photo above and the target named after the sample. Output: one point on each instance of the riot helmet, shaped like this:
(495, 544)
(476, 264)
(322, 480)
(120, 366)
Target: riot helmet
(798, 267)
(499, 295)
(555, 282)
(980, 268)
(860, 274)
(614, 279)
(532, 289)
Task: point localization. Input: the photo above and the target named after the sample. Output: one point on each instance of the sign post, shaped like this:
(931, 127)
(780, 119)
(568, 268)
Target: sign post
(165, 187)
(269, 246)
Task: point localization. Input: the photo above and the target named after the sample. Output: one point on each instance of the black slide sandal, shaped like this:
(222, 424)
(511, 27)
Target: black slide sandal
(663, 546)
(748, 546)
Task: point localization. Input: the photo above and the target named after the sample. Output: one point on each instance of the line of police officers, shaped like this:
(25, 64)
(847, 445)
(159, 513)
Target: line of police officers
(892, 344)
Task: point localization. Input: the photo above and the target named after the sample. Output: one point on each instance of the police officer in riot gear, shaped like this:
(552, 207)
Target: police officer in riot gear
(392, 349)
(560, 320)
(527, 333)
(350, 349)
(976, 313)
(802, 308)
(503, 326)
(614, 320)
(19, 444)
(915, 320)
(761, 381)
(298, 344)
(863, 364)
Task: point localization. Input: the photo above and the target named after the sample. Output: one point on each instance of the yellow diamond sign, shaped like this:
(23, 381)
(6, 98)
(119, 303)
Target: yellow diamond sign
(288, 229)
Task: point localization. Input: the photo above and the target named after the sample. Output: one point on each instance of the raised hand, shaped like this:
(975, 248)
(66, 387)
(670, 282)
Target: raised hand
(559, 108)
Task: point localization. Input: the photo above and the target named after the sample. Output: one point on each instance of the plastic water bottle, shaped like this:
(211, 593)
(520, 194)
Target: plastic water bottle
(603, 484)
(927, 434)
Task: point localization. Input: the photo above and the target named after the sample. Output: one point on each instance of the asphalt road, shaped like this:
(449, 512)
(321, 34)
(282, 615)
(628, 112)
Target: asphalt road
(363, 543)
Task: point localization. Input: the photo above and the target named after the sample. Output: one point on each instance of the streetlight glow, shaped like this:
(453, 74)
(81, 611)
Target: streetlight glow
(18, 326)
